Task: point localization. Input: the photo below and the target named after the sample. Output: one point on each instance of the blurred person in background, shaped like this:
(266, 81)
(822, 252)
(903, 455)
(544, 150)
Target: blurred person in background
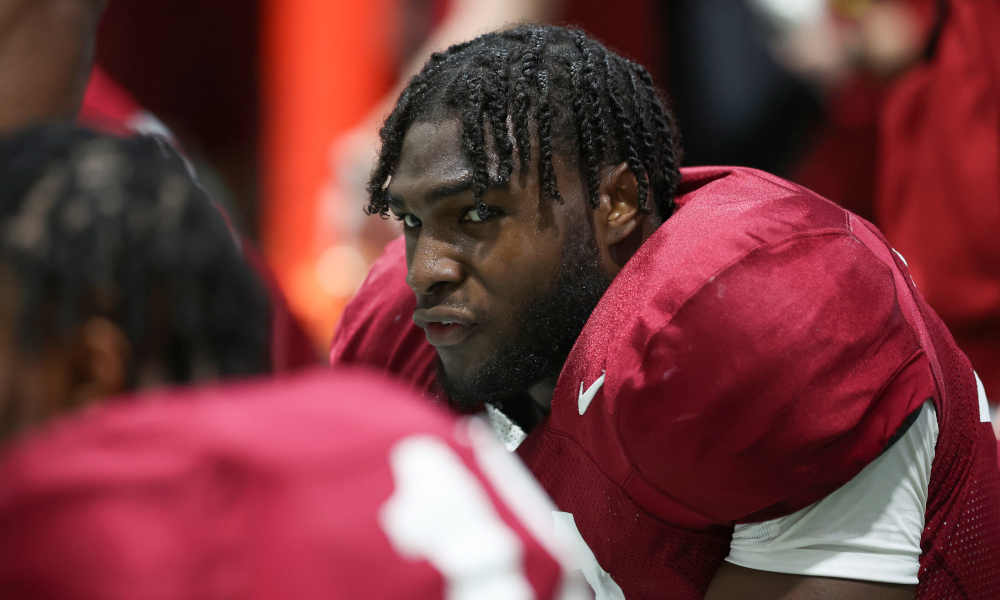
(289, 488)
(938, 183)
(792, 87)
(728, 384)
(883, 106)
(850, 52)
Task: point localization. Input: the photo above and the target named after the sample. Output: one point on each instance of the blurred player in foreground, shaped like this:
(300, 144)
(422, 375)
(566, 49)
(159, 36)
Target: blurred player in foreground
(282, 489)
(116, 274)
(729, 386)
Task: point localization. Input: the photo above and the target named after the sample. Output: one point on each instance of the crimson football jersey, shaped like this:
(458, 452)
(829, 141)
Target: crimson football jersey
(320, 486)
(758, 351)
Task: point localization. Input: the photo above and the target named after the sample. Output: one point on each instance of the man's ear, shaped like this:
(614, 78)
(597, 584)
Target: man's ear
(618, 219)
(620, 191)
(103, 359)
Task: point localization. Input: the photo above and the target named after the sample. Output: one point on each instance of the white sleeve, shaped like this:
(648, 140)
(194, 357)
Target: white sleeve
(869, 529)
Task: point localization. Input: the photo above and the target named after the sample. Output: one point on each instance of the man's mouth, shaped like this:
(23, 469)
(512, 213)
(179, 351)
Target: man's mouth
(444, 326)
(447, 333)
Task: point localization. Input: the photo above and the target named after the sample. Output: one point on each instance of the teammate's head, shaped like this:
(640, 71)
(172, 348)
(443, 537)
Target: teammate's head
(116, 272)
(527, 166)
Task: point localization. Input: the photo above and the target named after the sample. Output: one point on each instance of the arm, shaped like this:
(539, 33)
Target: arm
(46, 50)
(733, 582)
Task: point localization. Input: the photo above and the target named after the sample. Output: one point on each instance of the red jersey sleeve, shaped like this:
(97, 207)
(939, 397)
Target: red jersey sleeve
(758, 351)
(774, 383)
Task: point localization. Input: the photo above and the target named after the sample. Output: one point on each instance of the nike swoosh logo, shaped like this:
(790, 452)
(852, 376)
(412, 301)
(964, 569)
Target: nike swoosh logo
(587, 397)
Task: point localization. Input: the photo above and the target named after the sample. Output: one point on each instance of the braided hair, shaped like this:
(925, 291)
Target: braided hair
(584, 102)
(101, 226)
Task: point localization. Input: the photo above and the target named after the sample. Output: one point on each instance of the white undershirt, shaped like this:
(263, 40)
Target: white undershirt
(869, 529)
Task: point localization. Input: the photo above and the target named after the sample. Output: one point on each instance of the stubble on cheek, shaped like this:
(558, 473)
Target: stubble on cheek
(491, 333)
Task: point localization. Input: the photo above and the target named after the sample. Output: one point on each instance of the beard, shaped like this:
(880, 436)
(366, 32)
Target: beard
(546, 329)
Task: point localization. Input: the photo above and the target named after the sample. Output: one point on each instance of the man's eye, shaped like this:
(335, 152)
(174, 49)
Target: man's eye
(472, 215)
(409, 221)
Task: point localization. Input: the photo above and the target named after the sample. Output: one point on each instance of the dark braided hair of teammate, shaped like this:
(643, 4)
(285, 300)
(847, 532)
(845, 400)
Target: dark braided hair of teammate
(581, 100)
(101, 226)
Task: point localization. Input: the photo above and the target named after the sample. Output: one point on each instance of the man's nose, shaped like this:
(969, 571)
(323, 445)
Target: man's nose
(433, 267)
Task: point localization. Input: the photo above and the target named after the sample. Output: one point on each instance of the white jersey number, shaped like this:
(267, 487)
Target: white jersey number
(439, 512)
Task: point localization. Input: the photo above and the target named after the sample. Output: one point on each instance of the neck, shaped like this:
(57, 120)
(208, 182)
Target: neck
(525, 410)
(541, 393)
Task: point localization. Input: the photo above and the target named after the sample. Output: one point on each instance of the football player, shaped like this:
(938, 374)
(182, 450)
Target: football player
(730, 386)
(289, 488)
(116, 274)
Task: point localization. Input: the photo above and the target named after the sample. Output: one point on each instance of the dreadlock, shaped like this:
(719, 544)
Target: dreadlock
(93, 225)
(583, 101)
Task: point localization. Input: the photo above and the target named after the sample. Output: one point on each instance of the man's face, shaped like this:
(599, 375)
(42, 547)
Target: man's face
(498, 297)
